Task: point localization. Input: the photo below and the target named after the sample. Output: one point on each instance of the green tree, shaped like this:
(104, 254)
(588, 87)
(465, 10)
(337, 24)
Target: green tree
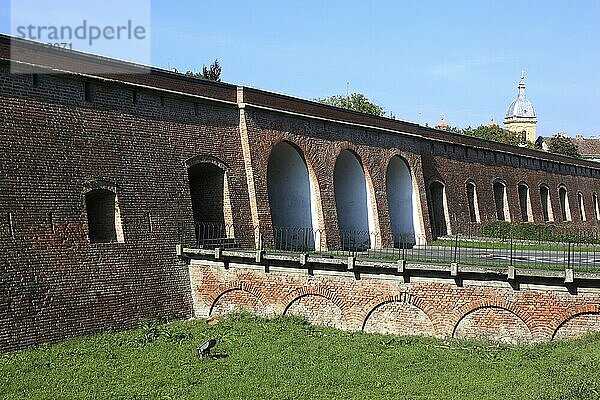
(356, 101)
(494, 133)
(561, 144)
(212, 73)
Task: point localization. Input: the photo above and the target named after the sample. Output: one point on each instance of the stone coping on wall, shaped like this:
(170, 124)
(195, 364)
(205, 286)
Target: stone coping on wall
(568, 277)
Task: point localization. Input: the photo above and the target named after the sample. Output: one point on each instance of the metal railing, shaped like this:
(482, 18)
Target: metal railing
(465, 246)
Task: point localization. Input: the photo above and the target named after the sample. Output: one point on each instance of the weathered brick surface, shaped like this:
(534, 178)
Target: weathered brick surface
(317, 309)
(578, 325)
(237, 300)
(54, 282)
(493, 323)
(398, 318)
(425, 306)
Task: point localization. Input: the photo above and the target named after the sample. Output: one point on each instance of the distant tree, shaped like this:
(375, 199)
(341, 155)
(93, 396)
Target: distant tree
(494, 133)
(356, 101)
(561, 144)
(213, 72)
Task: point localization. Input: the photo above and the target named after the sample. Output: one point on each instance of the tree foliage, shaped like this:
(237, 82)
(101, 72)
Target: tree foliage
(561, 144)
(494, 133)
(356, 101)
(212, 73)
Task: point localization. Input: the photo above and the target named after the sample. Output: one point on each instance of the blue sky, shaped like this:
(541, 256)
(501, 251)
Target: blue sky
(417, 59)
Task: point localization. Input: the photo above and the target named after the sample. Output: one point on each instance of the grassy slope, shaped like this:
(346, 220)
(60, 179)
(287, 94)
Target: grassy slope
(287, 359)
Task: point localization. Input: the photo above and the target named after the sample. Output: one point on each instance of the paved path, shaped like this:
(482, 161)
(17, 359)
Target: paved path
(549, 258)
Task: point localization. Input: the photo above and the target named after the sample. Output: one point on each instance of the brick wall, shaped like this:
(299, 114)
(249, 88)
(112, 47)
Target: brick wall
(452, 168)
(427, 306)
(320, 143)
(54, 282)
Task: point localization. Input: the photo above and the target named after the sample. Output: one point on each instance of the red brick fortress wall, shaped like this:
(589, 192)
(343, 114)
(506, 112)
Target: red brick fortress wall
(136, 132)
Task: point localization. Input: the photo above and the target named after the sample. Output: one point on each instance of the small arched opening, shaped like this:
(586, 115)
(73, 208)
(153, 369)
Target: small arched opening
(596, 206)
(501, 201)
(439, 209)
(211, 205)
(525, 203)
(473, 202)
(104, 216)
(565, 208)
(581, 205)
(547, 213)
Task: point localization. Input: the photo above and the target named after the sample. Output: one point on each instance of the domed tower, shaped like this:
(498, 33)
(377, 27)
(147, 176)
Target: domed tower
(520, 116)
(442, 124)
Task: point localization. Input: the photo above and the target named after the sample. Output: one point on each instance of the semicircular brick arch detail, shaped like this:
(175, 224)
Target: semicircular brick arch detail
(494, 320)
(568, 318)
(318, 291)
(317, 309)
(248, 290)
(461, 312)
(205, 158)
(404, 314)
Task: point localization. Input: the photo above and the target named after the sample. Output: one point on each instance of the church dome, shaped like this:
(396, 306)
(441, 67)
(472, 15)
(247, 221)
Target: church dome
(442, 124)
(521, 107)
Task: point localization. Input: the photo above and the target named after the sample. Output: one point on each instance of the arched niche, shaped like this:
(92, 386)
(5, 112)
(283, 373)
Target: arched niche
(104, 216)
(401, 196)
(581, 204)
(547, 213)
(353, 203)
(211, 203)
(439, 210)
(501, 201)
(292, 199)
(565, 207)
(525, 202)
(473, 202)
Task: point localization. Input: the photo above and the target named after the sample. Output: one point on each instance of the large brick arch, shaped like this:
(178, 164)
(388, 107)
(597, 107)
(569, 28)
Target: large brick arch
(522, 329)
(249, 291)
(314, 181)
(415, 309)
(373, 207)
(562, 320)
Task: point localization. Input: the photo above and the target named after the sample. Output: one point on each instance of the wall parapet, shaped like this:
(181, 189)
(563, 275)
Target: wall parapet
(567, 278)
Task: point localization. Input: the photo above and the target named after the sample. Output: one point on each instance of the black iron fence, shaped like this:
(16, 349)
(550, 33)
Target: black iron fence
(466, 245)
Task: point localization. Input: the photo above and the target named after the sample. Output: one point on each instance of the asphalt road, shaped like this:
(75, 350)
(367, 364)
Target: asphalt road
(531, 258)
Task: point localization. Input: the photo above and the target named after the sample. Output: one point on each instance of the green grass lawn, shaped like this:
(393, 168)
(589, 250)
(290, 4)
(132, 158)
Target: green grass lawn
(286, 358)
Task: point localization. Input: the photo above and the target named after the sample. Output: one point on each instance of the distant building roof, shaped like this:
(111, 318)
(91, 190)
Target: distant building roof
(588, 147)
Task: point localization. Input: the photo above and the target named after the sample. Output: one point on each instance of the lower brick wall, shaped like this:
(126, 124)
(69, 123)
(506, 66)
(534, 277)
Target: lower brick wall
(389, 304)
